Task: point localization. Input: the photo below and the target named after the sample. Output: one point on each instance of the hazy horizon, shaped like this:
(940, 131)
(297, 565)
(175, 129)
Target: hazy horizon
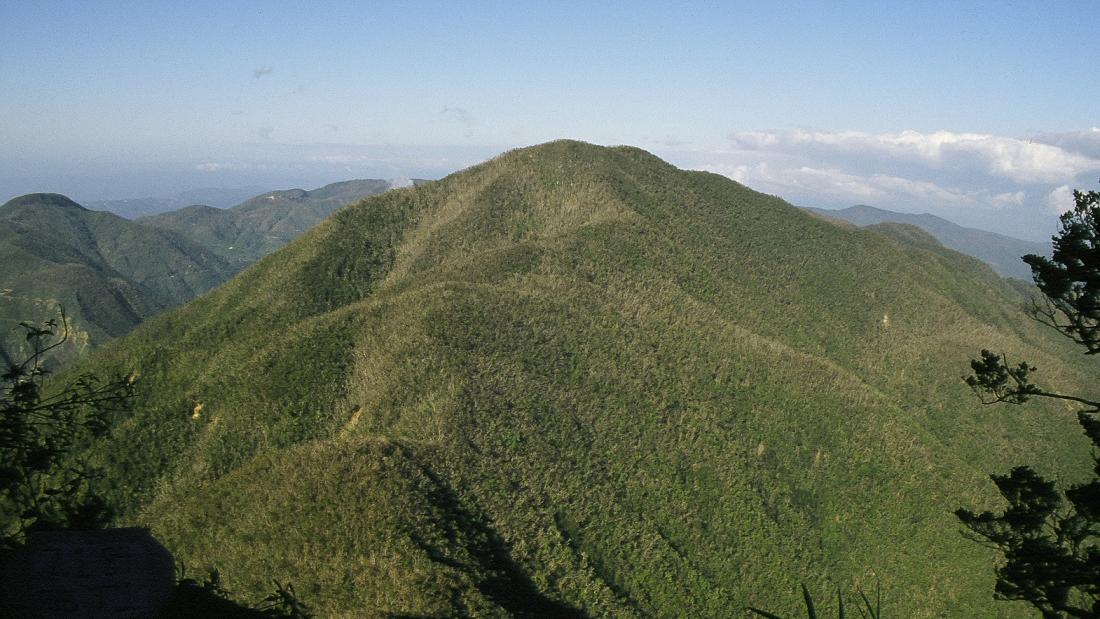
(982, 114)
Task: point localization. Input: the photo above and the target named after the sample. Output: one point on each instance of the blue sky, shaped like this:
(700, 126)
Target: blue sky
(981, 112)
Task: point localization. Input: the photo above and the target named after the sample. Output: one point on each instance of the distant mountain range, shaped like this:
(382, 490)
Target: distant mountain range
(111, 273)
(259, 226)
(132, 208)
(108, 272)
(999, 251)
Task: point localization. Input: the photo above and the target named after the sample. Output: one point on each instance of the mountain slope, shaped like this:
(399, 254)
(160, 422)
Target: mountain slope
(582, 376)
(1001, 252)
(260, 225)
(109, 273)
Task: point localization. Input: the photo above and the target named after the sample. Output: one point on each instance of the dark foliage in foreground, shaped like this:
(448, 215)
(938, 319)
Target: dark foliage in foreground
(210, 598)
(41, 486)
(1049, 537)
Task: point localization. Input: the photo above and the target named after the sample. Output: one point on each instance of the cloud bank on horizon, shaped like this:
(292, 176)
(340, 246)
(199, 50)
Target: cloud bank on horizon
(1007, 184)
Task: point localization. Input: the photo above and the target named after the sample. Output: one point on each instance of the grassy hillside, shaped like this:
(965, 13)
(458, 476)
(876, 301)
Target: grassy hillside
(108, 272)
(247, 232)
(577, 380)
(999, 251)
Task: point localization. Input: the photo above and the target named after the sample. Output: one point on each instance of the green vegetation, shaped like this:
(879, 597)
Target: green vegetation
(109, 272)
(999, 251)
(576, 380)
(41, 487)
(866, 611)
(1050, 539)
(210, 598)
(251, 230)
(114, 273)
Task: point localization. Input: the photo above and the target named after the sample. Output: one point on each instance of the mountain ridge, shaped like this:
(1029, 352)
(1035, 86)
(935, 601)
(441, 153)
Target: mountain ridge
(108, 272)
(111, 273)
(33, 200)
(259, 225)
(1001, 252)
(655, 392)
(133, 208)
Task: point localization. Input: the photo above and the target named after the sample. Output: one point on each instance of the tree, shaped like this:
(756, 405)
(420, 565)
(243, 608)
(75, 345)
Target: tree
(210, 599)
(1050, 538)
(42, 485)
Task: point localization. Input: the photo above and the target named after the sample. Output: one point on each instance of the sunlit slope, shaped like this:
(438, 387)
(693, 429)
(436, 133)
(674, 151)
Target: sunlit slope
(581, 372)
(1001, 252)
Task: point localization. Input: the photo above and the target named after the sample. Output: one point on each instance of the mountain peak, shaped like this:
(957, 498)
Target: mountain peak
(553, 351)
(38, 200)
(557, 148)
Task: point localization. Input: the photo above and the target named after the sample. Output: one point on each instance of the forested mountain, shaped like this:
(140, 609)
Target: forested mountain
(577, 380)
(108, 272)
(999, 251)
(111, 273)
(258, 226)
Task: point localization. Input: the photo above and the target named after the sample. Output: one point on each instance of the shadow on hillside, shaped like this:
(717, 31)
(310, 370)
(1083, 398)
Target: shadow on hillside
(506, 583)
(114, 572)
(189, 599)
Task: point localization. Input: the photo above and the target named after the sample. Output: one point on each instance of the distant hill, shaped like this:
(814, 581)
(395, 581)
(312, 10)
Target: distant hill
(108, 272)
(111, 273)
(577, 381)
(262, 224)
(132, 208)
(999, 251)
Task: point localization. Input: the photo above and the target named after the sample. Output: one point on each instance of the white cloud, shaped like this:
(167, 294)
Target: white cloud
(1060, 200)
(1020, 161)
(1084, 142)
(232, 166)
(805, 183)
(341, 159)
(213, 166)
(1006, 184)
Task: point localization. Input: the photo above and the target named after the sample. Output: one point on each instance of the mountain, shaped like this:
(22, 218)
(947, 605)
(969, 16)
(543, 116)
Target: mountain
(999, 251)
(575, 380)
(262, 224)
(132, 208)
(109, 273)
